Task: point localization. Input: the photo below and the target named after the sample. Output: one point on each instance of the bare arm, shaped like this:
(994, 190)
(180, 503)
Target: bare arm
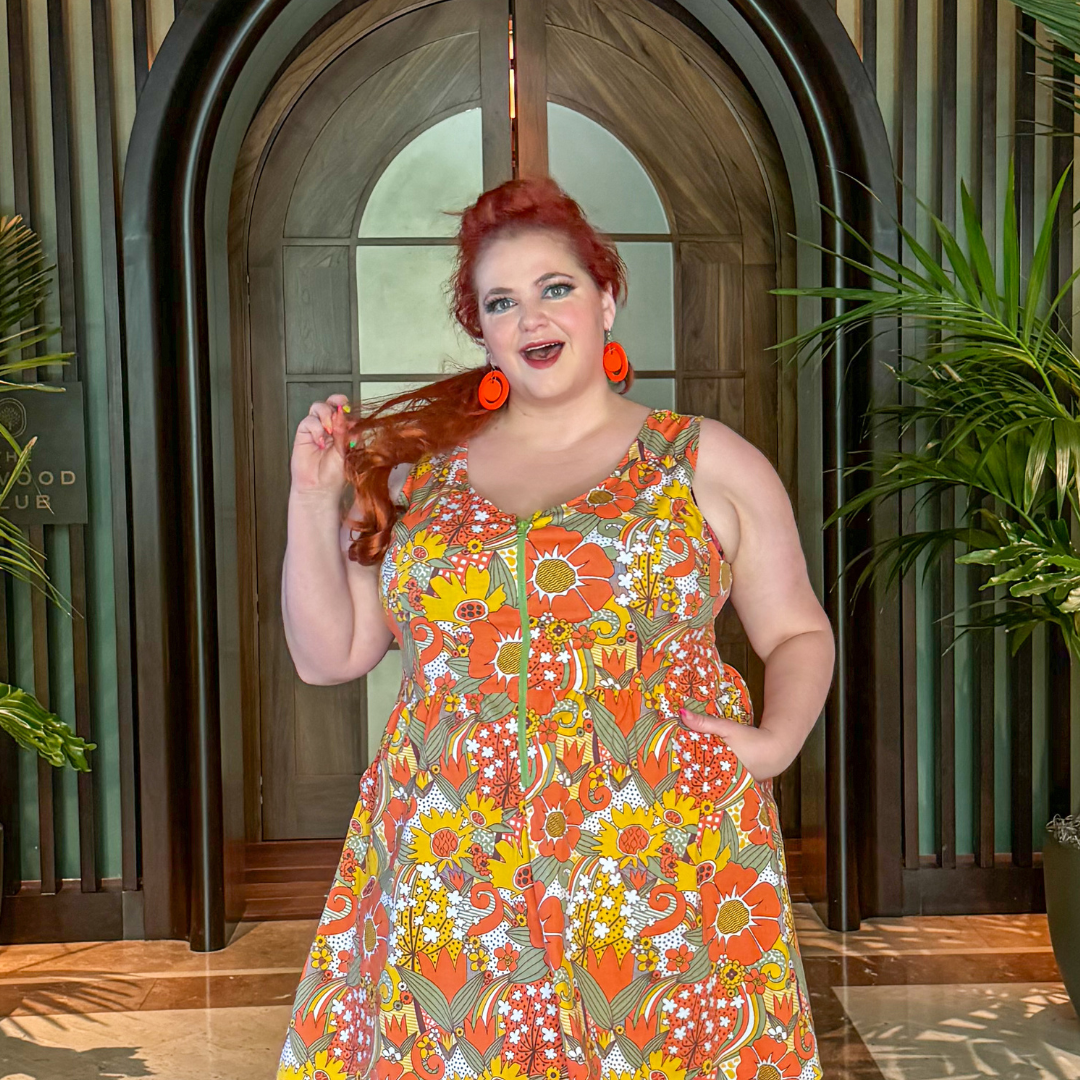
(745, 501)
(333, 616)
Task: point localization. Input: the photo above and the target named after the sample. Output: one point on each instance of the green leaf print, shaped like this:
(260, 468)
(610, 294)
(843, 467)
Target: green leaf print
(296, 1045)
(449, 792)
(473, 1058)
(629, 998)
(654, 1044)
(500, 575)
(465, 999)
(494, 707)
(531, 965)
(545, 869)
(700, 967)
(430, 997)
(609, 732)
(729, 836)
(436, 743)
(320, 1044)
(756, 857)
(629, 1051)
(595, 1001)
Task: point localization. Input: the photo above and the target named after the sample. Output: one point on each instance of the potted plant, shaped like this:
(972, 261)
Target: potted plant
(993, 399)
(24, 286)
(1061, 872)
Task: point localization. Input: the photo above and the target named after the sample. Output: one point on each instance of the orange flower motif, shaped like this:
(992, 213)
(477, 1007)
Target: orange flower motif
(756, 818)
(608, 500)
(495, 655)
(566, 577)
(554, 822)
(766, 1059)
(372, 931)
(739, 915)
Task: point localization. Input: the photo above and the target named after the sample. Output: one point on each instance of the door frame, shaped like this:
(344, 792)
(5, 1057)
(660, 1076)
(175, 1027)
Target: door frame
(215, 65)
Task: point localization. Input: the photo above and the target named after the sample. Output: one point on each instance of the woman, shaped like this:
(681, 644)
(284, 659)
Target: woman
(551, 557)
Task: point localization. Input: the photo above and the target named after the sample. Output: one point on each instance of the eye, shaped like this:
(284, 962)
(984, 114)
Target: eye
(493, 306)
(565, 286)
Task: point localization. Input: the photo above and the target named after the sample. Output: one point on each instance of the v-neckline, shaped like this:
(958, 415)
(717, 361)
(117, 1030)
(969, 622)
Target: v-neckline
(617, 471)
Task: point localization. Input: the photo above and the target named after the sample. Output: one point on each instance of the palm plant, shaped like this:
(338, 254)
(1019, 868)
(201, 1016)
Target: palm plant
(24, 286)
(995, 391)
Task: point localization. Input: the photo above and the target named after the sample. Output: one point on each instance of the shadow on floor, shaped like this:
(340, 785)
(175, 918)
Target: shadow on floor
(21, 1058)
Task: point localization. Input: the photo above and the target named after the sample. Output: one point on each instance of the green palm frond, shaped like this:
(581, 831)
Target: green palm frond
(994, 400)
(32, 726)
(24, 286)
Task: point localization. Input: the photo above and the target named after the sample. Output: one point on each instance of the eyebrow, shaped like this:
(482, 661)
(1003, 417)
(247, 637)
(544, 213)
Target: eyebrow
(502, 291)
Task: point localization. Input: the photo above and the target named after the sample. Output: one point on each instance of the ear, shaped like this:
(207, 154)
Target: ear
(607, 304)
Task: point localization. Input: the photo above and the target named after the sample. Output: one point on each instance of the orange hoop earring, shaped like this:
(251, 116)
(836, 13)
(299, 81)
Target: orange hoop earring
(616, 364)
(494, 389)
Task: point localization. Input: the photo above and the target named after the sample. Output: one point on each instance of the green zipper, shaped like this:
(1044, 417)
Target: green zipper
(523, 664)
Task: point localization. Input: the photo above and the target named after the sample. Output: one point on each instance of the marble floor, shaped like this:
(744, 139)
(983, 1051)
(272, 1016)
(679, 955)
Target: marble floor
(902, 999)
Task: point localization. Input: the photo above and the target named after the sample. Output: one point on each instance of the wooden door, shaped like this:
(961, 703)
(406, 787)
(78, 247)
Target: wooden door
(327, 213)
(640, 121)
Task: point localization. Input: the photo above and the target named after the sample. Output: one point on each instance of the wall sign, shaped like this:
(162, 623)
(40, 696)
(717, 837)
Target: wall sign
(53, 490)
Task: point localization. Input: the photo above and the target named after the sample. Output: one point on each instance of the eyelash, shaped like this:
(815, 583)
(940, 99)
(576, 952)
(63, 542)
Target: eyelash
(492, 306)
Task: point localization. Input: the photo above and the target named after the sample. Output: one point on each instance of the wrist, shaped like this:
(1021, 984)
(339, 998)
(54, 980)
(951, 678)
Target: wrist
(316, 498)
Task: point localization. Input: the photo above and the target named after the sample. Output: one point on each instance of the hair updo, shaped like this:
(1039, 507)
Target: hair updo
(447, 413)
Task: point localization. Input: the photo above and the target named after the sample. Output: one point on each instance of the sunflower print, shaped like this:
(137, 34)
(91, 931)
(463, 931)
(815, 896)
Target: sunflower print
(547, 876)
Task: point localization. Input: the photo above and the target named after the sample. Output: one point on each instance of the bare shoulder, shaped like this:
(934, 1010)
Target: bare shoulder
(738, 485)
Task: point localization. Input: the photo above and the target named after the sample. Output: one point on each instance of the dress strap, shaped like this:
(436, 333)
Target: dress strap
(675, 436)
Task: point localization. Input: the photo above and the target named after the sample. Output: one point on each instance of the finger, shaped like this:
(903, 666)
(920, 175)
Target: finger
(701, 722)
(324, 414)
(336, 401)
(313, 429)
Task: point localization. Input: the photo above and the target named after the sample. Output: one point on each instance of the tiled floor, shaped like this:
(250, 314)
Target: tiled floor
(903, 999)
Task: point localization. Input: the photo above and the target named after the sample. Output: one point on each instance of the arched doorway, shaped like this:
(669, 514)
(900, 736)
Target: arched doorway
(348, 227)
(225, 76)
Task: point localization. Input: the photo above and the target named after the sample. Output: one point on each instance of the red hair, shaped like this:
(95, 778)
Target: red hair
(447, 413)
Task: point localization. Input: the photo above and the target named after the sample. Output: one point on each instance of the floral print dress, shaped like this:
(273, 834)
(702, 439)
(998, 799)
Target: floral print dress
(621, 911)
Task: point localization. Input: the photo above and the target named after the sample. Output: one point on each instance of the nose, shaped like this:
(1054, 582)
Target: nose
(530, 316)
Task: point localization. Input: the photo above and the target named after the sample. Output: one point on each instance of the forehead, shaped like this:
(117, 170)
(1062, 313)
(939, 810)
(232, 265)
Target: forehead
(519, 258)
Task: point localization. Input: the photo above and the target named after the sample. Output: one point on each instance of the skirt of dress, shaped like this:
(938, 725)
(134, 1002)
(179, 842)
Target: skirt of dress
(623, 920)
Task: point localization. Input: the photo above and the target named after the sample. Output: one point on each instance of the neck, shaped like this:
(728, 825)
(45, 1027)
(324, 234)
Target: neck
(557, 425)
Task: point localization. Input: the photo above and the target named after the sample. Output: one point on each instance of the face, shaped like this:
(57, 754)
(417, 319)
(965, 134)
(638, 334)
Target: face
(542, 316)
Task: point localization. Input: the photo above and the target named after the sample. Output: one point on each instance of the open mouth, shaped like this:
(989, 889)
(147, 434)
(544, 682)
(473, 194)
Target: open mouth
(543, 354)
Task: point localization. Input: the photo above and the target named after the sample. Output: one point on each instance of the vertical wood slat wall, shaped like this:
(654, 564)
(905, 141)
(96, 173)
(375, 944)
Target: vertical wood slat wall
(959, 769)
(987, 741)
(66, 102)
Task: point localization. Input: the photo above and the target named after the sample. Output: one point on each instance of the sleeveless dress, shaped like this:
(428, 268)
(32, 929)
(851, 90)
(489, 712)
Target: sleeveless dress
(621, 912)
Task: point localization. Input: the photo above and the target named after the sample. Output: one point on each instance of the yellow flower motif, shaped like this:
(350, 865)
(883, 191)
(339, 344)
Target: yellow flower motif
(425, 546)
(731, 974)
(508, 859)
(459, 602)
(324, 1067)
(631, 836)
(647, 957)
(677, 811)
(660, 1065)
(706, 860)
(482, 810)
(474, 546)
(559, 631)
(502, 1070)
(445, 838)
(320, 954)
